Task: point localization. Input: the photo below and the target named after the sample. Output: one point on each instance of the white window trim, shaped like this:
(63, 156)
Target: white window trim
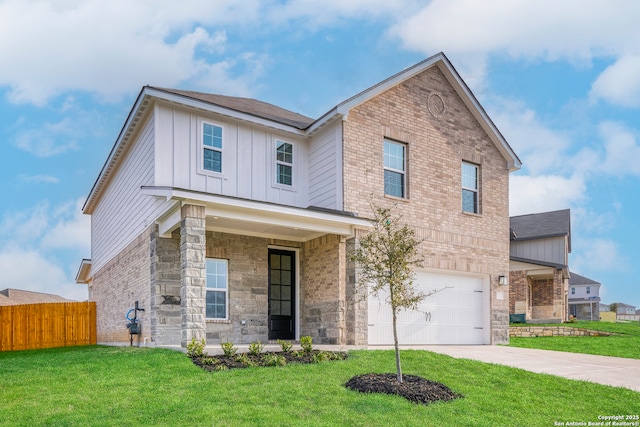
(276, 162)
(475, 190)
(226, 292)
(202, 147)
(402, 172)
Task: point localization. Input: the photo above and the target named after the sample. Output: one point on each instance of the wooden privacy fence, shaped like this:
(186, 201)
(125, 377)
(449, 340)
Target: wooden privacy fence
(46, 325)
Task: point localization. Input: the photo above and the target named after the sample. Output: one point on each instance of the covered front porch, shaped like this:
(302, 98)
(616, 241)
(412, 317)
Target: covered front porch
(540, 292)
(229, 269)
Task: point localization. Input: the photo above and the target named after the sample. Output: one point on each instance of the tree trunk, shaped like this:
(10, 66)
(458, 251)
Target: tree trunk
(395, 343)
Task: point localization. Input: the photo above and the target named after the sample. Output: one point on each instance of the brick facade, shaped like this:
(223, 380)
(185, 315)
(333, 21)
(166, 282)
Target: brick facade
(538, 298)
(436, 147)
(117, 286)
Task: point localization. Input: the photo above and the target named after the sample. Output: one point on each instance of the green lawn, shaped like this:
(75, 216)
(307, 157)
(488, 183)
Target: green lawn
(626, 344)
(129, 386)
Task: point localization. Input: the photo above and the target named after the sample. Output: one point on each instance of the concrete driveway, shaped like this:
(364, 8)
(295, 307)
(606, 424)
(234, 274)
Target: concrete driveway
(613, 371)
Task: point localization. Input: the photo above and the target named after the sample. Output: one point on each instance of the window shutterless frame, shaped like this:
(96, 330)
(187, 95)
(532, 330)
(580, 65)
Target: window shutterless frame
(217, 291)
(211, 146)
(470, 188)
(395, 166)
(284, 163)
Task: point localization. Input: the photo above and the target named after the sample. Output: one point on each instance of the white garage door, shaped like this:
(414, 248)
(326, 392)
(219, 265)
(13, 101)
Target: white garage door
(454, 315)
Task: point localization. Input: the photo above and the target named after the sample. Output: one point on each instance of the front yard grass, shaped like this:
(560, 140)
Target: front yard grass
(103, 386)
(625, 344)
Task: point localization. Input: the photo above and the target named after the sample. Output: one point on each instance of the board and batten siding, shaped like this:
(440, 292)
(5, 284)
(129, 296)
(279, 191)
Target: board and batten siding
(123, 212)
(248, 158)
(551, 249)
(325, 163)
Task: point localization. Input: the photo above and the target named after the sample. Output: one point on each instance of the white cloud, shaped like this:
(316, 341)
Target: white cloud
(470, 31)
(29, 270)
(72, 229)
(541, 148)
(619, 84)
(108, 49)
(598, 255)
(532, 194)
(32, 243)
(44, 140)
(622, 149)
(39, 179)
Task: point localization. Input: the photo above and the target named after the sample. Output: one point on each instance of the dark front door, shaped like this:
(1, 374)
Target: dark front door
(281, 294)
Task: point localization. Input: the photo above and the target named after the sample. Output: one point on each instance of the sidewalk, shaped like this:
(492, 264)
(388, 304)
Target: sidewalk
(613, 371)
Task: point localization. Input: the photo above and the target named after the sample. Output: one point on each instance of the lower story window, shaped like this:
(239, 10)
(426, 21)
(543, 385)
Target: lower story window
(217, 288)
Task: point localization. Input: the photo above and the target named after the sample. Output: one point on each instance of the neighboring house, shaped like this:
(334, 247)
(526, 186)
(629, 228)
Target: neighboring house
(603, 307)
(539, 270)
(11, 296)
(231, 219)
(584, 297)
(626, 309)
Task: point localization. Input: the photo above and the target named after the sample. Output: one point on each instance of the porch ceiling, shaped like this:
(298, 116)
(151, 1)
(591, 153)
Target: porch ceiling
(253, 218)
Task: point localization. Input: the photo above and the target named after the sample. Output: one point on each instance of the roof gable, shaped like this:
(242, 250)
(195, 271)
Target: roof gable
(270, 115)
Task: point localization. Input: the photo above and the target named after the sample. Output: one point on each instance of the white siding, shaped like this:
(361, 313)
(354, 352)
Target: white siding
(551, 250)
(581, 291)
(123, 212)
(248, 158)
(325, 169)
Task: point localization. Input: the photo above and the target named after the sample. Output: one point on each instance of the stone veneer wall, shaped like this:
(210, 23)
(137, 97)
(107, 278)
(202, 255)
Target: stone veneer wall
(553, 331)
(115, 288)
(324, 276)
(166, 314)
(438, 141)
(248, 285)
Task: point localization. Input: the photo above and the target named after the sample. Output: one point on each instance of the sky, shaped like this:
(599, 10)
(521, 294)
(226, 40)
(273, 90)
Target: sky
(560, 79)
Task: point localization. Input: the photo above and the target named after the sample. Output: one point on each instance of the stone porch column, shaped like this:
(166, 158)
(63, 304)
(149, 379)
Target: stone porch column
(192, 273)
(356, 295)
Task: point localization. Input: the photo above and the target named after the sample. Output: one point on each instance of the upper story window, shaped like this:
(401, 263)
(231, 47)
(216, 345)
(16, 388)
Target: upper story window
(470, 188)
(212, 147)
(588, 290)
(573, 291)
(395, 169)
(217, 289)
(284, 163)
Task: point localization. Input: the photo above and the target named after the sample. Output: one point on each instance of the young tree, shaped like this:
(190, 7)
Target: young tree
(386, 257)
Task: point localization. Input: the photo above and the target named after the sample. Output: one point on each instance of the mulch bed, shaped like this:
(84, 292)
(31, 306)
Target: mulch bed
(415, 389)
(222, 362)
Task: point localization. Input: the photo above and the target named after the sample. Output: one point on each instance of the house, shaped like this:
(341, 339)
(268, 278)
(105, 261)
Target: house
(539, 266)
(231, 219)
(12, 296)
(626, 309)
(584, 297)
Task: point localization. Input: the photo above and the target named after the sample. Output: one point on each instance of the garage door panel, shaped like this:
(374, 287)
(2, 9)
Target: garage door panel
(453, 315)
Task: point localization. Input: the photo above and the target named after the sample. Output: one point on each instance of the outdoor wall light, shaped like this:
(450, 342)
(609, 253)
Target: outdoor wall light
(502, 280)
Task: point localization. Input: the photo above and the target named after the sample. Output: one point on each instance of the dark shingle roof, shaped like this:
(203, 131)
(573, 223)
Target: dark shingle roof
(541, 225)
(248, 106)
(577, 279)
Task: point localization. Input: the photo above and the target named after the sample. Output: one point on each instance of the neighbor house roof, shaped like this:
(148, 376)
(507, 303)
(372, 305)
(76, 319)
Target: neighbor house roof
(541, 225)
(577, 279)
(262, 113)
(18, 296)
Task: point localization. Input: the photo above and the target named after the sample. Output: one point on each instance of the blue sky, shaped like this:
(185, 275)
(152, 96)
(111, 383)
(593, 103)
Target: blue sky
(560, 79)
